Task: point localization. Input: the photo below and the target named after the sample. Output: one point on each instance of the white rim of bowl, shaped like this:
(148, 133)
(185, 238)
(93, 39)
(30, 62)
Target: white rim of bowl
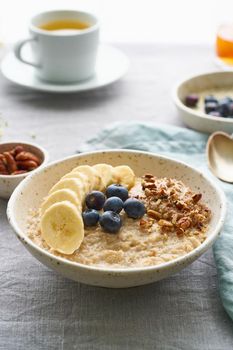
(196, 113)
(43, 150)
(178, 261)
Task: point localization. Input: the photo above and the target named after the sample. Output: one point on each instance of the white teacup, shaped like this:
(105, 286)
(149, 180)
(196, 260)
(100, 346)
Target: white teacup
(62, 56)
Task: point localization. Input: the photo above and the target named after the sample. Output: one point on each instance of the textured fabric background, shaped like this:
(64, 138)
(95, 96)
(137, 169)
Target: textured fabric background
(41, 310)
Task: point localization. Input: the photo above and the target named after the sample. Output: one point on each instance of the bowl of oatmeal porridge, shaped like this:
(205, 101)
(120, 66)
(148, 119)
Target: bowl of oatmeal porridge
(184, 213)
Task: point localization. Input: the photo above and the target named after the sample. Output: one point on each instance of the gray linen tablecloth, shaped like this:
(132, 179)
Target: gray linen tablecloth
(41, 310)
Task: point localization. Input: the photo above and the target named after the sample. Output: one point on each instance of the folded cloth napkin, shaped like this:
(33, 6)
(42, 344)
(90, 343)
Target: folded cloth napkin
(188, 146)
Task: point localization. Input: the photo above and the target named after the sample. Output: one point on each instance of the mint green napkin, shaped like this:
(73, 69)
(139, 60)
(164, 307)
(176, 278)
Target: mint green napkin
(189, 146)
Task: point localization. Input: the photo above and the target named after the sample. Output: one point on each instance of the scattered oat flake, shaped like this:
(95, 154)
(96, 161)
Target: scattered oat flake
(33, 135)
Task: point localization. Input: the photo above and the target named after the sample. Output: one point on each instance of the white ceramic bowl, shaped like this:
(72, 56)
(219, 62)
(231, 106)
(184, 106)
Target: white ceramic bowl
(9, 182)
(25, 196)
(196, 119)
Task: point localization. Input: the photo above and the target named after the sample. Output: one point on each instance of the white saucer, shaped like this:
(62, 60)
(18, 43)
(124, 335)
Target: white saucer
(111, 65)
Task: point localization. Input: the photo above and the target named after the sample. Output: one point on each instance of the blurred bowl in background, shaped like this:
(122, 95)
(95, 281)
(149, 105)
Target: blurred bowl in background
(204, 83)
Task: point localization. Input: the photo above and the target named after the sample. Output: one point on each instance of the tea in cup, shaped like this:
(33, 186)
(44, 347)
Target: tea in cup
(64, 46)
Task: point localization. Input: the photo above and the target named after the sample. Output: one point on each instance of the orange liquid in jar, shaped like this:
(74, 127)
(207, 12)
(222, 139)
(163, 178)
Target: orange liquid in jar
(224, 43)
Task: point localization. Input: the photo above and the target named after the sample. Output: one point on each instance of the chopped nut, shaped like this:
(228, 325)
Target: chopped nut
(179, 205)
(146, 224)
(200, 218)
(207, 212)
(170, 182)
(150, 180)
(143, 222)
(161, 192)
(165, 237)
(165, 223)
(184, 223)
(179, 231)
(174, 218)
(152, 253)
(150, 185)
(167, 216)
(147, 192)
(196, 197)
(199, 225)
(154, 214)
(148, 176)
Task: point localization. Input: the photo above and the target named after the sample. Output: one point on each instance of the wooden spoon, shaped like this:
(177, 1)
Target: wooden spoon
(220, 155)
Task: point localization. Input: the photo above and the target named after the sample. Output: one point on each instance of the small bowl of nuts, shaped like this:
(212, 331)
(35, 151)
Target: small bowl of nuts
(17, 160)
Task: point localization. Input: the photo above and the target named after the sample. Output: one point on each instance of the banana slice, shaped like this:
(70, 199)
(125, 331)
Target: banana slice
(123, 175)
(62, 227)
(72, 184)
(105, 171)
(60, 196)
(93, 176)
(80, 176)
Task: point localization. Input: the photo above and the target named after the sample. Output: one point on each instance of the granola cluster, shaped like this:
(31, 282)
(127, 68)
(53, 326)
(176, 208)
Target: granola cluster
(173, 206)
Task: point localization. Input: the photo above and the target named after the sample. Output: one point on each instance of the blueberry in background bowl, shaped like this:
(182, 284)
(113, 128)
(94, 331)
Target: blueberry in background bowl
(211, 107)
(210, 98)
(224, 108)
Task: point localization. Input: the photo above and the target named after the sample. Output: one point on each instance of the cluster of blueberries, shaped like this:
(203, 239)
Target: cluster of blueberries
(218, 108)
(115, 200)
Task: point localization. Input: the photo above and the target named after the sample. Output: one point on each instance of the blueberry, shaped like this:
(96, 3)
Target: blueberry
(116, 190)
(134, 208)
(227, 99)
(210, 98)
(113, 204)
(110, 222)
(231, 109)
(95, 200)
(211, 107)
(215, 114)
(191, 100)
(90, 217)
(224, 108)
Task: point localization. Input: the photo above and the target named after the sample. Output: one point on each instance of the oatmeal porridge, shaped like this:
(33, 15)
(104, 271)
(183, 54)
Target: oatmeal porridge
(170, 221)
